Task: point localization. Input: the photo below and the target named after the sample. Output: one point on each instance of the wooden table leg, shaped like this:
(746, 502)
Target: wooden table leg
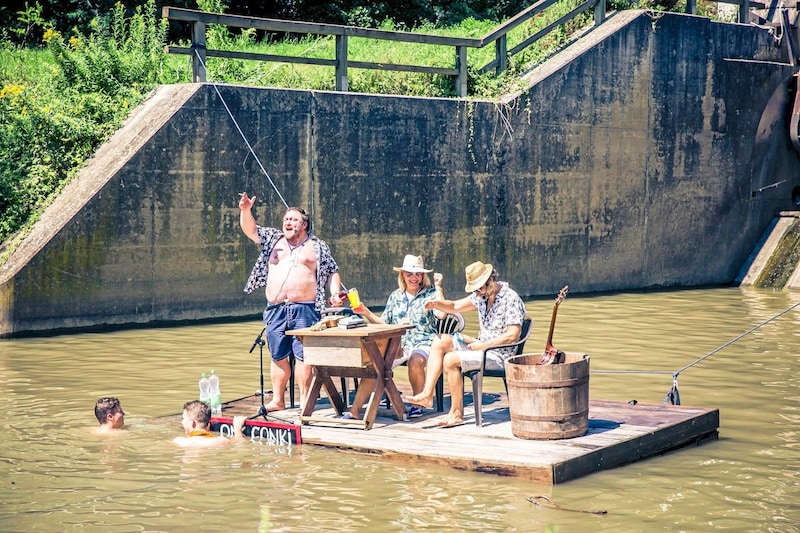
(392, 350)
(313, 394)
(374, 401)
(333, 395)
(385, 382)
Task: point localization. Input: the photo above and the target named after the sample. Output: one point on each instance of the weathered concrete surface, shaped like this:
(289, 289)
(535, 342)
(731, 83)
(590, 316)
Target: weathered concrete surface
(638, 158)
(774, 262)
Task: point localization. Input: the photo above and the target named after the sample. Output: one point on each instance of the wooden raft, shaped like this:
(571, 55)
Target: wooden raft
(618, 434)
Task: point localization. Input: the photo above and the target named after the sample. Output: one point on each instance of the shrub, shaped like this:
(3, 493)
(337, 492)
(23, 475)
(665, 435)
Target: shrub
(53, 119)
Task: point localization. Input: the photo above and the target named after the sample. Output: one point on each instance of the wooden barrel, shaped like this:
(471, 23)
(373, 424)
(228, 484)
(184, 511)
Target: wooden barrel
(548, 402)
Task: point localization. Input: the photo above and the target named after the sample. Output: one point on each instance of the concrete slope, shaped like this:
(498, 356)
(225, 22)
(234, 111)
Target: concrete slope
(775, 261)
(109, 159)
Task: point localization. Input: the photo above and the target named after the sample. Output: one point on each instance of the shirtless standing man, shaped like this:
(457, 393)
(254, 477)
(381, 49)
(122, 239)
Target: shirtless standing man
(295, 266)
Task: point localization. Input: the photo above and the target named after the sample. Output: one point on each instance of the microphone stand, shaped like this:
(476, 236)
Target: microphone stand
(262, 411)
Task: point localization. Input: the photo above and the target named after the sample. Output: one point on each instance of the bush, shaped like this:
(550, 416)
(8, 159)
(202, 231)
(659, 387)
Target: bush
(52, 119)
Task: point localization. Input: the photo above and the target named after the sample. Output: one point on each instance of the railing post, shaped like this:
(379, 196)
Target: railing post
(341, 63)
(461, 66)
(691, 7)
(791, 38)
(501, 54)
(600, 11)
(199, 55)
(744, 12)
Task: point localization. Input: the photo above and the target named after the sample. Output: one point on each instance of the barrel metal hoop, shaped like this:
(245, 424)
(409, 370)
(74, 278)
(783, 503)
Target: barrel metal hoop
(560, 417)
(548, 435)
(548, 384)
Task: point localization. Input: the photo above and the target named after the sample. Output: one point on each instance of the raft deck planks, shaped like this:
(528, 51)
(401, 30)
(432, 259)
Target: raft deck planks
(619, 434)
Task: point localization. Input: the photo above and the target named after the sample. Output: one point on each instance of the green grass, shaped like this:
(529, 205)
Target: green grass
(289, 75)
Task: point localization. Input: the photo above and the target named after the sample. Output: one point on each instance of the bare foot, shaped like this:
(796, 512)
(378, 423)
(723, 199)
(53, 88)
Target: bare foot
(419, 399)
(451, 422)
(275, 406)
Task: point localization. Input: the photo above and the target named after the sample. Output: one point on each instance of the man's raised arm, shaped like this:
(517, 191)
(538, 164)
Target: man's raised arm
(246, 220)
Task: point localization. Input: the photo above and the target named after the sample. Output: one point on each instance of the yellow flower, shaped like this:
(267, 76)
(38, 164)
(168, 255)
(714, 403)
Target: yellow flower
(49, 35)
(11, 91)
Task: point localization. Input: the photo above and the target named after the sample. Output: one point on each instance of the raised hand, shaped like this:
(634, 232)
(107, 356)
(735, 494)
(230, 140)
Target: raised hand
(245, 202)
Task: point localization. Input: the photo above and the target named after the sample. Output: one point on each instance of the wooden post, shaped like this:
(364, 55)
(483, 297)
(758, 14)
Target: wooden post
(501, 54)
(791, 34)
(199, 55)
(341, 63)
(461, 66)
(744, 12)
(600, 11)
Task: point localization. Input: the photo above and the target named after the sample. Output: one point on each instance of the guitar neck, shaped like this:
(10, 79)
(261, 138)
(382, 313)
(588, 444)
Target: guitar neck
(552, 326)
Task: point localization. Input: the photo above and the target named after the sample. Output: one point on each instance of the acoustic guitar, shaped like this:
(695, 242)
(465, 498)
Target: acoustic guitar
(551, 354)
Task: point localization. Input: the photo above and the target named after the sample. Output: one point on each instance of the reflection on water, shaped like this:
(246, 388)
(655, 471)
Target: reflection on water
(59, 476)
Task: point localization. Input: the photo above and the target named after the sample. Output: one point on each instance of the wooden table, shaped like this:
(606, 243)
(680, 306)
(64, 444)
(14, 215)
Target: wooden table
(363, 352)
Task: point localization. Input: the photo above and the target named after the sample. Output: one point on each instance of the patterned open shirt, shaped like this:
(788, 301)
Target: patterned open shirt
(326, 265)
(399, 307)
(508, 309)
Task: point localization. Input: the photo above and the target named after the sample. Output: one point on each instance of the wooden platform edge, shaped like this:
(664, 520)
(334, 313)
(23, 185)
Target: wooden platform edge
(540, 474)
(697, 430)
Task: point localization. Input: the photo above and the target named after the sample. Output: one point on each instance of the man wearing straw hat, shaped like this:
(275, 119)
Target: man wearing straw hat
(500, 313)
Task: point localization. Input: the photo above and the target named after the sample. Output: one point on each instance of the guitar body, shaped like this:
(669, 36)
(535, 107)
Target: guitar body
(551, 354)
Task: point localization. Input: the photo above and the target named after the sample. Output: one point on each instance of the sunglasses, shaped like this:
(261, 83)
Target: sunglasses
(412, 274)
(482, 287)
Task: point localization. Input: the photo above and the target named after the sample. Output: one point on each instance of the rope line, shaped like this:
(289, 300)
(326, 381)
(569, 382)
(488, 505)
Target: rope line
(631, 372)
(748, 332)
(244, 137)
(675, 373)
(673, 396)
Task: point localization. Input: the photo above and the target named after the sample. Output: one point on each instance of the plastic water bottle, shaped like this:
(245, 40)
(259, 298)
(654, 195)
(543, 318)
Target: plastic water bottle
(216, 396)
(205, 389)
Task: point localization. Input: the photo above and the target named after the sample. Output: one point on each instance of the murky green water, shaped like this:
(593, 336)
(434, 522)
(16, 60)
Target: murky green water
(58, 476)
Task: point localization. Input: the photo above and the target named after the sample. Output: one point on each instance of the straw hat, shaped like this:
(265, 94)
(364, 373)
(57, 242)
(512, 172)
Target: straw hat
(412, 263)
(477, 274)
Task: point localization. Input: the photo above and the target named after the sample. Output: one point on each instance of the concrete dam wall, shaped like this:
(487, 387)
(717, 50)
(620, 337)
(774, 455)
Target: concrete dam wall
(652, 153)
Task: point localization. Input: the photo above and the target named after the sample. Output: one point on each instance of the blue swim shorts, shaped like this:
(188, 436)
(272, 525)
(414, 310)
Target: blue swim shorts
(280, 319)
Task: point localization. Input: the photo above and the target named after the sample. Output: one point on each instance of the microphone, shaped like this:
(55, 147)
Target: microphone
(258, 341)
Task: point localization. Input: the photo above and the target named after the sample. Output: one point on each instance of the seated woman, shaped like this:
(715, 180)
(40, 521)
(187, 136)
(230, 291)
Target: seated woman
(406, 305)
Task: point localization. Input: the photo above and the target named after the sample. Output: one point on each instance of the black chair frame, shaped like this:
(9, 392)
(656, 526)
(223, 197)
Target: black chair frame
(477, 375)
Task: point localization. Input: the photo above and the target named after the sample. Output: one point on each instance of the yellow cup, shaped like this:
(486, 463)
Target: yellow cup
(352, 296)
